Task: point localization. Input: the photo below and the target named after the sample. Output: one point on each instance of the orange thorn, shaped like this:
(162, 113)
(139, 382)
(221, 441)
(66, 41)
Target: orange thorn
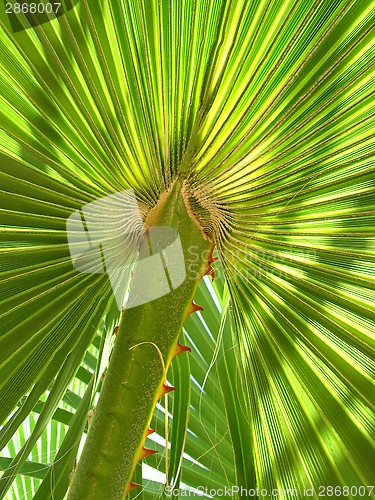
(116, 329)
(196, 307)
(149, 431)
(166, 388)
(212, 259)
(180, 348)
(103, 376)
(132, 486)
(146, 452)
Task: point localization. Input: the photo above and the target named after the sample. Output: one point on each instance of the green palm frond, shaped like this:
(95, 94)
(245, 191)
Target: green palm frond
(267, 110)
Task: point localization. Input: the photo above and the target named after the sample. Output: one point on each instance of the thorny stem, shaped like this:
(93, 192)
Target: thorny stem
(135, 379)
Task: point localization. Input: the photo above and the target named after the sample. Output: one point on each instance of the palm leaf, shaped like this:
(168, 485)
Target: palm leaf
(267, 108)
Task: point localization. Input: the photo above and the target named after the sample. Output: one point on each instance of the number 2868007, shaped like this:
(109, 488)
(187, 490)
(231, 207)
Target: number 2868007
(33, 8)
